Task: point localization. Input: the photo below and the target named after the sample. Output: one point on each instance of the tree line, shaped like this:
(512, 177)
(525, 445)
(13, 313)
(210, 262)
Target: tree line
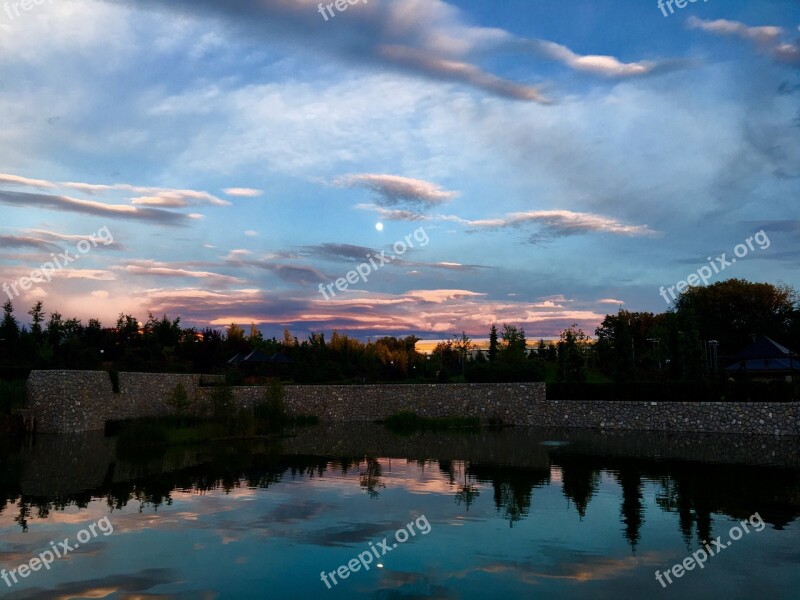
(628, 346)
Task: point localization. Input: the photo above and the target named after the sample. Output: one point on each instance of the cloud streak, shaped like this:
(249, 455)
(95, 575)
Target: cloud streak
(594, 64)
(423, 38)
(768, 39)
(90, 207)
(557, 223)
(394, 190)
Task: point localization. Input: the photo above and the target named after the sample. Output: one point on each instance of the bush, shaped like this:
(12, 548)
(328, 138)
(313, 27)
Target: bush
(222, 403)
(272, 410)
(12, 395)
(179, 400)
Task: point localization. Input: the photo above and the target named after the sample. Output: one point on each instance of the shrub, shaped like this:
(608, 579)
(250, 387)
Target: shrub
(272, 410)
(12, 395)
(179, 400)
(222, 403)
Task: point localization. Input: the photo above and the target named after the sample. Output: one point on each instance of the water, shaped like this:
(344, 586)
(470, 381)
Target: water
(509, 514)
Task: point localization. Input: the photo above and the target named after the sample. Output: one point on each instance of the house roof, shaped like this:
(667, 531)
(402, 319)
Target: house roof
(258, 357)
(280, 358)
(765, 365)
(764, 347)
(764, 355)
(236, 359)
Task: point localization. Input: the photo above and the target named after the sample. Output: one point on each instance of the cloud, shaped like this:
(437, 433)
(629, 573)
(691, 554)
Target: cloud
(53, 236)
(768, 39)
(424, 38)
(242, 192)
(360, 254)
(34, 183)
(154, 196)
(461, 72)
(393, 190)
(341, 251)
(546, 304)
(393, 214)
(90, 207)
(557, 223)
(439, 296)
(610, 301)
(152, 268)
(177, 198)
(606, 66)
(237, 254)
(47, 241)
(20, 241)
(157, 196)
(296, 274)
(91, 274)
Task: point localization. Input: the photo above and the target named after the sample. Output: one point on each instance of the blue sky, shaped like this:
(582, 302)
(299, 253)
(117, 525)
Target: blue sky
(563, 159)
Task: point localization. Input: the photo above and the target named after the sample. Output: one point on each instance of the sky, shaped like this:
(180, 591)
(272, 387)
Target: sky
(527, 162)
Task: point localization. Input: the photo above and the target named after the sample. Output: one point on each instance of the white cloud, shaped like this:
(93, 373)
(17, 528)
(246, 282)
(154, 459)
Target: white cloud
(767, 38)
(243, 192)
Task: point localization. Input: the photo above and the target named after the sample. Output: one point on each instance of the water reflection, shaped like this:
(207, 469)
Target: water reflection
(343, 486)
(693, 490)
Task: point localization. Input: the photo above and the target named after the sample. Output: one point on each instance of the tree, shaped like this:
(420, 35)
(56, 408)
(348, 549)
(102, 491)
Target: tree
(255, 337)
(9, 328)
(37, 318)
(493, 345)
(629, 344)
(288, 340)
(734, 310)
(445, 357)
(463, 346)
(179, 400)
(162, 332)
(572, 355)
(127, 329)
(55, 330)
(514, 344)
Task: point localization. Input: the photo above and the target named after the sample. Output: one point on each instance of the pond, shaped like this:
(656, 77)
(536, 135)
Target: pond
(356, 511)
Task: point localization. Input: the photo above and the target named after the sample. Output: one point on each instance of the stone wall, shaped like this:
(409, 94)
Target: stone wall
(510, 403)
(76, 401)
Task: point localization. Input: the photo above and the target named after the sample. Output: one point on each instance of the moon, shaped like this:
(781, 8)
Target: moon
(379, 226)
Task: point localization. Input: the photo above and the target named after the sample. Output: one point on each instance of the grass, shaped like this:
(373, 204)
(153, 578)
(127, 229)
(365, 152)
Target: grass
(408, 422)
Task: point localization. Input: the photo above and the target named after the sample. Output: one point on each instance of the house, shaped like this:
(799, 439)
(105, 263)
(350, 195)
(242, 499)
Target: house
(258, 363)
(765, 360)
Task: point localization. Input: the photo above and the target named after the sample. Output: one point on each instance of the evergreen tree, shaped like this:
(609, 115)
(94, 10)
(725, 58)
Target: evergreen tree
(493, 345)
(9, 328)
(37, 318)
